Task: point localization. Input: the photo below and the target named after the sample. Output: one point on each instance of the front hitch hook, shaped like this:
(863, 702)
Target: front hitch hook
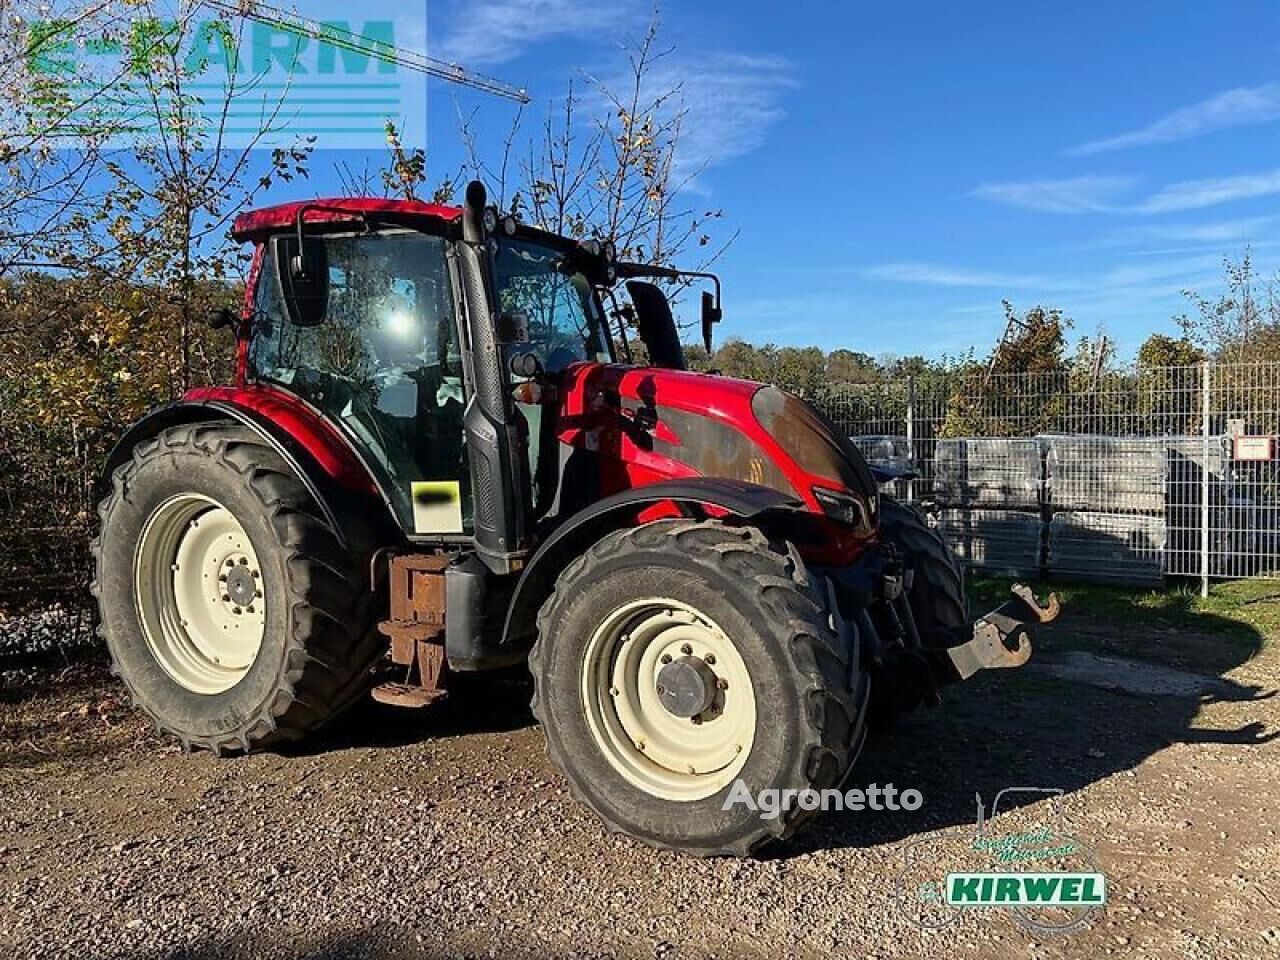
(1000, 639)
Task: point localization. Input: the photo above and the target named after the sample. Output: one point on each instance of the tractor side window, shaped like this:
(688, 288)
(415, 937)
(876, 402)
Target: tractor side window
(385, 365)
(565, 324)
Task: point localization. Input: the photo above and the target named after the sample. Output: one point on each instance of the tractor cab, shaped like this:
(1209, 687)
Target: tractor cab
(388, 323)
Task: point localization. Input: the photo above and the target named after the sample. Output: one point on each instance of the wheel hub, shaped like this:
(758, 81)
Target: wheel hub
(199, 593)
(686, 687)
(668, 699)
(241, 583)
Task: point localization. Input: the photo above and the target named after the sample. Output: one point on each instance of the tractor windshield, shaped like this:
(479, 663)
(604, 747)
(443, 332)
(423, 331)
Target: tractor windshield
(565, 321)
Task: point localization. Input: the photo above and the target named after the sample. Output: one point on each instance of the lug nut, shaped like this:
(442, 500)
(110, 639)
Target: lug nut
(237, 611)
(696, 720)
(226, 598)
(661, 690)
(709, 659)
(244, 561)
(256, 574)
(686, 649)
(722, 683)
(666, 658)
(249, 608)
(230, 562)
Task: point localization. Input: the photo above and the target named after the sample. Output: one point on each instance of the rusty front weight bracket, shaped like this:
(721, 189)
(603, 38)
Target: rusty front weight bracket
(1000, 638)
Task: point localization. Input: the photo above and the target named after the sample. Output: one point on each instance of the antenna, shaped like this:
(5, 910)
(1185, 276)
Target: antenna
(410, 59)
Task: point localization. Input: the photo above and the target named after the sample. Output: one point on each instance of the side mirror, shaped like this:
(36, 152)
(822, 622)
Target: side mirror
(303, 273)
(711, 315)
(512, 327)
(223, 317)
(656, 326)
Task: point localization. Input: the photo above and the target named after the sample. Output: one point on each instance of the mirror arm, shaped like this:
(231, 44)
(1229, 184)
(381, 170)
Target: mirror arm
(299, 268)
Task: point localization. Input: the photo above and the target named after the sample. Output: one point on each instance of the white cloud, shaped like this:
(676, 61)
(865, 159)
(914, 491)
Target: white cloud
(1243, 106)
(729, 101)
(1195, 194)
(496, 32)
(1167, 274)
(1086, 194)
(1212, 232)
(942, 275)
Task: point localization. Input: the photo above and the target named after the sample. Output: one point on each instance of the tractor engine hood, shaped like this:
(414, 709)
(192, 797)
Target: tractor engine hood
(664, 424)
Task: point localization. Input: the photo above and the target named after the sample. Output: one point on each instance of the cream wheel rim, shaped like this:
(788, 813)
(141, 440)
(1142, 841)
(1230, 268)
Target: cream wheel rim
(674, 757)
(199, 593)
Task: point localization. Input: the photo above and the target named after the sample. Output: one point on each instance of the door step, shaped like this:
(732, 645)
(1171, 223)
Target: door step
(407, 695)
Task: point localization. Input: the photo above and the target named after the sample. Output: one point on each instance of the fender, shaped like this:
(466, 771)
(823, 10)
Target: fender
(576, 534)
(332, 474)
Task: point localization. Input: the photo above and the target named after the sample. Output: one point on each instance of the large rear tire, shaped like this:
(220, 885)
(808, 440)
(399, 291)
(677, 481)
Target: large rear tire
(232, 612)
(734, 621)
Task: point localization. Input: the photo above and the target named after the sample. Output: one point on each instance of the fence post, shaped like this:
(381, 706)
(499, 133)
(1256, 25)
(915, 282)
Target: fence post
(1204, 478)
(911, 435)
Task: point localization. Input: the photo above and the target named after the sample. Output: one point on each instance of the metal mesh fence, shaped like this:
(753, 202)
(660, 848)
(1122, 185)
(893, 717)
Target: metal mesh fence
(1122, 475)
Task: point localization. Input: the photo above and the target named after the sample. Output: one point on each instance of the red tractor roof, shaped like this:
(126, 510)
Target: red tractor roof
(257, 223)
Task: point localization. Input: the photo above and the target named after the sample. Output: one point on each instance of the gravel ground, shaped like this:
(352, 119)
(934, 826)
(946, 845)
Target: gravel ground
(447, 833)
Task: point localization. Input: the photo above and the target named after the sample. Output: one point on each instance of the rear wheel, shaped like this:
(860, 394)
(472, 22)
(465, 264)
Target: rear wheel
(230, 608)
(679, 657)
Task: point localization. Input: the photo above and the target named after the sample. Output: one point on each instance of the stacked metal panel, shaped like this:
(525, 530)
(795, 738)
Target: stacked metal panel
(998, 541)
(988, 472)
(1106, 474)
(990, 491)
(1111, 498)
(1126, 548)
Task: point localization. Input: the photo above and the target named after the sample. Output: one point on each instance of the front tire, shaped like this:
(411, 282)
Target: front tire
(937, 596)
(772, 695)
(232, 612)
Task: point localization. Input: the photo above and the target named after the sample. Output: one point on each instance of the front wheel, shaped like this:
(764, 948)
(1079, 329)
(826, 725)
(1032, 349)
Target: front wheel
(678, 658)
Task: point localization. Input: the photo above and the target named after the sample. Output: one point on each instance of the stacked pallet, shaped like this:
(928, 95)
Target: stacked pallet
(990, 495)
(1127, 508)
(1112, 547)
(997, 541)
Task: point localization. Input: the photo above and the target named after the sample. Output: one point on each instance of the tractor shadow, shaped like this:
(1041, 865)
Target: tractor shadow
(1100, 696)
(477, 703)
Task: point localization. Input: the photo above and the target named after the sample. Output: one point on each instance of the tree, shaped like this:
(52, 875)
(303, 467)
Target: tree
(1243, 322)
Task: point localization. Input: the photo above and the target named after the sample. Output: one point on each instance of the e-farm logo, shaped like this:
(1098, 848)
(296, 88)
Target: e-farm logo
(1026, 889)
(251, 82)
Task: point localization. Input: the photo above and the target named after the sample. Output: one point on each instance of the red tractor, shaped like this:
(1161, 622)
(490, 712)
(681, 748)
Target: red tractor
(434, 454)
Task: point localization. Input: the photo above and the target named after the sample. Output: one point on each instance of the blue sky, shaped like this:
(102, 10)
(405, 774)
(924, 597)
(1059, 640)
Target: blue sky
(896, 170)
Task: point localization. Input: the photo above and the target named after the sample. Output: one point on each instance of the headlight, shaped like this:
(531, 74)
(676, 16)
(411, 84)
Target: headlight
(842, 508)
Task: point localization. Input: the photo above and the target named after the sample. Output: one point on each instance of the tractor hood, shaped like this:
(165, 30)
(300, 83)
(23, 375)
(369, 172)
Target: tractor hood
(657, 424)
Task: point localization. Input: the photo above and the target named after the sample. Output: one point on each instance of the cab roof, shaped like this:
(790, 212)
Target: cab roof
(255, 224)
